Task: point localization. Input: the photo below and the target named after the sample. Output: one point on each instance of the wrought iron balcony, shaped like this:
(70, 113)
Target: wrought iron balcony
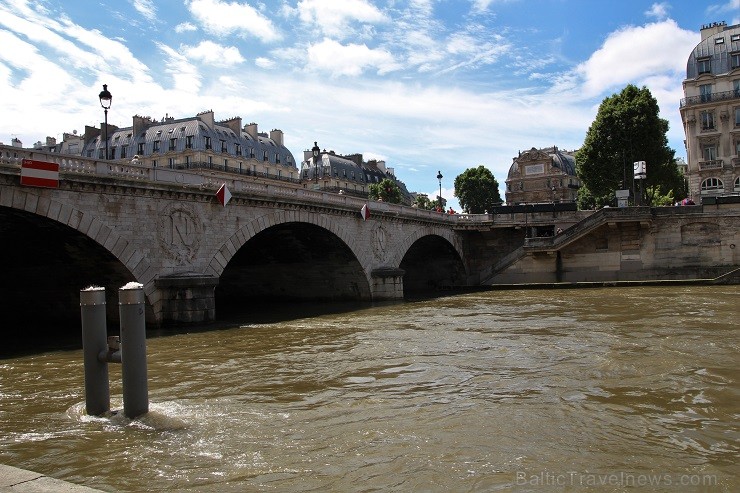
(710, 98)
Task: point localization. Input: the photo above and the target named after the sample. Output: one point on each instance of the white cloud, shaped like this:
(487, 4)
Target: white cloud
(633, 53)
(658, 10)
(352, 59)
(221, 18)
(146, 8)
(185, 75)
(185, 27)
(214, 54)
(263, 62)
(334, 16)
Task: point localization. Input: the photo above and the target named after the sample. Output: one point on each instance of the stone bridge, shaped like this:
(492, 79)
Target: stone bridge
(107, 224)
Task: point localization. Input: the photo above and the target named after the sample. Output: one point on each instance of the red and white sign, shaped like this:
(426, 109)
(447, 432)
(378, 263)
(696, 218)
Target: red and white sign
(39, 174)
(365, 212)
(223, 195)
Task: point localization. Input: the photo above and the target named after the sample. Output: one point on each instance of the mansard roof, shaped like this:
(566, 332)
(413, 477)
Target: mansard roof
(204, 134)
(565, 161)
(716, 48)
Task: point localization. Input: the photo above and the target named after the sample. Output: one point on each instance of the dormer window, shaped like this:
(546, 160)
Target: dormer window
(704, 66)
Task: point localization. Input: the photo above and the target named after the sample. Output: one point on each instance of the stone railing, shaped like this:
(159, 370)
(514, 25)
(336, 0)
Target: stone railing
(210, 178)
(711, 164)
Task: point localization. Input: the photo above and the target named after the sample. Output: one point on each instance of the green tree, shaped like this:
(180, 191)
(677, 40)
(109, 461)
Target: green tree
(422, 201)
(387, 191)
(627, 128)
(477, 190)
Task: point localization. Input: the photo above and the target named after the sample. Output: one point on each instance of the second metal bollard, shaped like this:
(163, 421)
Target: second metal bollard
(131, 302)
(94, 341)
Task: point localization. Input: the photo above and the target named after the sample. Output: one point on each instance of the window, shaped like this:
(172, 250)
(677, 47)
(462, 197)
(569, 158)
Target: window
(705, 92)
(736, 186)
(719, 41)
(238, 149)
(189, 142)
(712, 185)
(171, 162)
(707, 120)
(704, 66)
(710, 153)
(156, 146)
(113, 152)
(737, 116)
(140, 149)
(734, 60)
(101, 153)
(173, 144)
(734, 37)
(123, 152)
(223, 145)
(736, 87)
(264, 155)
(208, 142)
(737, 146)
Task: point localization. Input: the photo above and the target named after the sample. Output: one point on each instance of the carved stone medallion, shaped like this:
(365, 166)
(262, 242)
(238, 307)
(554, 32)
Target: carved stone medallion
(379, 242)
(180, 230)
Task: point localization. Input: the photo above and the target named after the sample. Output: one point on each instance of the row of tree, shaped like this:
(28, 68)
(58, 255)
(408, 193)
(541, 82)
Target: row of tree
(627, 128)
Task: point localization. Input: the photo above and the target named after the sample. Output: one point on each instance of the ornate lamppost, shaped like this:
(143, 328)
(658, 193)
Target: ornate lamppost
(106, 98)
(439, 177)
(316, 151)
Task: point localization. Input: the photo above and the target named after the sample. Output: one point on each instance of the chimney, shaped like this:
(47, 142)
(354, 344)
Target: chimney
(708, 30)
(234, 124)
(251, 130)
(51, 141)
(16, 142)
(207, 118)
(277, 136)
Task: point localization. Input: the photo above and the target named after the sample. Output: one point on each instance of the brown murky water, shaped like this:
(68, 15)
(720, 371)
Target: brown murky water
(600, 389)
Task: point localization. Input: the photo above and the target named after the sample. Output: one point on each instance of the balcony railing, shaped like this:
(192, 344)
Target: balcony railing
(710, 98)
(713, 164)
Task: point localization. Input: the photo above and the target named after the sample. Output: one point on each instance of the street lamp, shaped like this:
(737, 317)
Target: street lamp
(106, 98)
(316, 152)
(439, 177)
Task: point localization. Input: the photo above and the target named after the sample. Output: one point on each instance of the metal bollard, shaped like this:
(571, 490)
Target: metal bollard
(133, 350)
(94, 341)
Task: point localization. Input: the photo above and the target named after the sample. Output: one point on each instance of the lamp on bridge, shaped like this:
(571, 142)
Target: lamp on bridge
(316, 151)
(439, 177)
(106, 98)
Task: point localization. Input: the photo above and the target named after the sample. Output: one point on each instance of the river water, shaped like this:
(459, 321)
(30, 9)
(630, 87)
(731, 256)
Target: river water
(593, 389)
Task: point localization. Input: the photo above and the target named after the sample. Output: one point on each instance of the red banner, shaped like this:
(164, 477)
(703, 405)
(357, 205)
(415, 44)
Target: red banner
(39, 174)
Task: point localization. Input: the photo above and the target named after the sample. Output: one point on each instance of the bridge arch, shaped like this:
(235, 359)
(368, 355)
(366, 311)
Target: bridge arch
(91, 226)
(288, 255)
(256, 226)
(60, 249)
(431, 261)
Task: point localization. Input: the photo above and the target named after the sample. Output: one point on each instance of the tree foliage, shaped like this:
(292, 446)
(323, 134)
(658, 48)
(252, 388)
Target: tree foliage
(627, 128)
(422, 201)
(387, 190)
(477, 190)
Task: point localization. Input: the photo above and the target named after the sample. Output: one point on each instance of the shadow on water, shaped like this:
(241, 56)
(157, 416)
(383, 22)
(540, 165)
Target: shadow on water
(21, 340)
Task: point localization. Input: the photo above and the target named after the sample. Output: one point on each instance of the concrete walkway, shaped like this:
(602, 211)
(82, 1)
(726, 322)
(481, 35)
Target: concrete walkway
(14, 480)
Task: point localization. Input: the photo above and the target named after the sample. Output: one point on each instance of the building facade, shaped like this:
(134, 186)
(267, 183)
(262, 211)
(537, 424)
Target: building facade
(326, 170)
(197, 142)
(542, 175)
(710, 112)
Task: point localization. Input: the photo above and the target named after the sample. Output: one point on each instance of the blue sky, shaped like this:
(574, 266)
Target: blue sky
(426, 85)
